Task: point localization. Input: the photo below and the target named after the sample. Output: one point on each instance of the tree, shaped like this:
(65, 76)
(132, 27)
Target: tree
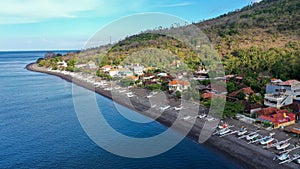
(178, 94)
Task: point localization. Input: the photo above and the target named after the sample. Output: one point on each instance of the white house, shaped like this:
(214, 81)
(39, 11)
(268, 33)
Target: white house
(177, 85)
(106, 68)
(279, 93)
(139, 70)
(62, 64)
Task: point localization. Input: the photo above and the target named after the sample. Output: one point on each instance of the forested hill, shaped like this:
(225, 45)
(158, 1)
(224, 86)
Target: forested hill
(262, 39)
(268, 24)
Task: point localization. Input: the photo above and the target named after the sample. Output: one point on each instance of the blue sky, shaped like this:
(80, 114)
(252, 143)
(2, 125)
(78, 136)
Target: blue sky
(68, 24)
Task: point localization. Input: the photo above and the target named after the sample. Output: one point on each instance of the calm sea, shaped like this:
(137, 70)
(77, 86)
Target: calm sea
(39, 127)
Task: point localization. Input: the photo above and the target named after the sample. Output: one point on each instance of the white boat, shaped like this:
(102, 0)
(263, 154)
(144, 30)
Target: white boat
(283, 145)
(291, 158)
(201, 116)
(108, 88)
(165, 108)
(266, 140)
(153, 106)
(149, 96)
(210, 119)
(252, 136)
(242, 131)
(225, 131)
(130, 95)
(186, 118)
(178, 108)
(283, 156)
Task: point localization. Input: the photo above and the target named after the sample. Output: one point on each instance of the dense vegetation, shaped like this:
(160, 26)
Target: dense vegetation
(257, 42)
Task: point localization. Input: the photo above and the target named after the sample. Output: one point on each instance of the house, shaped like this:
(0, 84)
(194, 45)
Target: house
(106, 68)
(125, 72)
(114, 72)
(252, 108)
(279, 93)
(295, 108)
(62, 65)
(77, 66)
(278, 118)
(147, 76)
(91, 65)
(207, 96)
(139, 70)
(247, 91)
(133, 78)
(177, 85)
(162, 74)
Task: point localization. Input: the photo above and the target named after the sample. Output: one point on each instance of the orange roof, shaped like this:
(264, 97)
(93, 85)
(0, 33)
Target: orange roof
(246, 90)
(174, 82)
(185, 83)
(267, 111)
(177, 82)
(132, 77)
(106, 66)
(207, 95)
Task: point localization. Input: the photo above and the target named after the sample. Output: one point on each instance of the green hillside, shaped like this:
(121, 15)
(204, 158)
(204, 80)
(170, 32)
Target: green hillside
(262, 38)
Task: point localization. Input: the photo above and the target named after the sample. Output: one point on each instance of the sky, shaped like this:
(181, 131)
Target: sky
(69, 24)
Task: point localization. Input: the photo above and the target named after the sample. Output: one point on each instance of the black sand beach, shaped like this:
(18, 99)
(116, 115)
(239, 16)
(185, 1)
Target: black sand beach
(247, 155)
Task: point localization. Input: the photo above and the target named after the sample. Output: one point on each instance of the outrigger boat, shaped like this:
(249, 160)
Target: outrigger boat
(242, 131)
(283, 144)
(294, 157)
(267, 139)
(291, 149)
(251, 136)
(255, 139)
(223, 131)
(282, 157)
(248, 134)
(233, 132)
(277, 143)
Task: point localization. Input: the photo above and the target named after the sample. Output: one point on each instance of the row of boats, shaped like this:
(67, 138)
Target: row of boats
(284, 147)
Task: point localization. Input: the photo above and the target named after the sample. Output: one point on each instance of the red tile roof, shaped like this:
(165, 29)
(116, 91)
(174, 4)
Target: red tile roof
(267, 111)
(281, 116)
(246, 90)
(207, 95)
(177, 82)
(106, 66)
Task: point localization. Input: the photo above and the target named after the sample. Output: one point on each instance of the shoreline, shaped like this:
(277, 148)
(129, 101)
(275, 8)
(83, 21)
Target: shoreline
(246, 155)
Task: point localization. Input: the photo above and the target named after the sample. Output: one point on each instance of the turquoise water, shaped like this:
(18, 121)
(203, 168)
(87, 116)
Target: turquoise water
(39, 127)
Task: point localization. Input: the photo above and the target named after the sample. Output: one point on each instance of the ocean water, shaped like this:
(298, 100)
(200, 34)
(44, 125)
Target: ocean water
(39, 127)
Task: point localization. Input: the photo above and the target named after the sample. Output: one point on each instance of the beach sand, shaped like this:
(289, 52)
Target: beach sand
(247, 155)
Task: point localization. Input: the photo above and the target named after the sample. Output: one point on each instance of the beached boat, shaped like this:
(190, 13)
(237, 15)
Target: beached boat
(283, 156)
(201, 116)
(225, 131)
(165, 108)
(251, 136)
(242, 131)
(266, 140)
(283, 146)
(227, 134)
(291, 149)
(178, 108)
(130, 95)
(187, 118)
(291, 158)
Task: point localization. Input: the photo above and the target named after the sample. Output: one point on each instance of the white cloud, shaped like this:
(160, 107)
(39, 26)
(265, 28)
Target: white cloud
(179, 4)
(255, 1)
(29, 11)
